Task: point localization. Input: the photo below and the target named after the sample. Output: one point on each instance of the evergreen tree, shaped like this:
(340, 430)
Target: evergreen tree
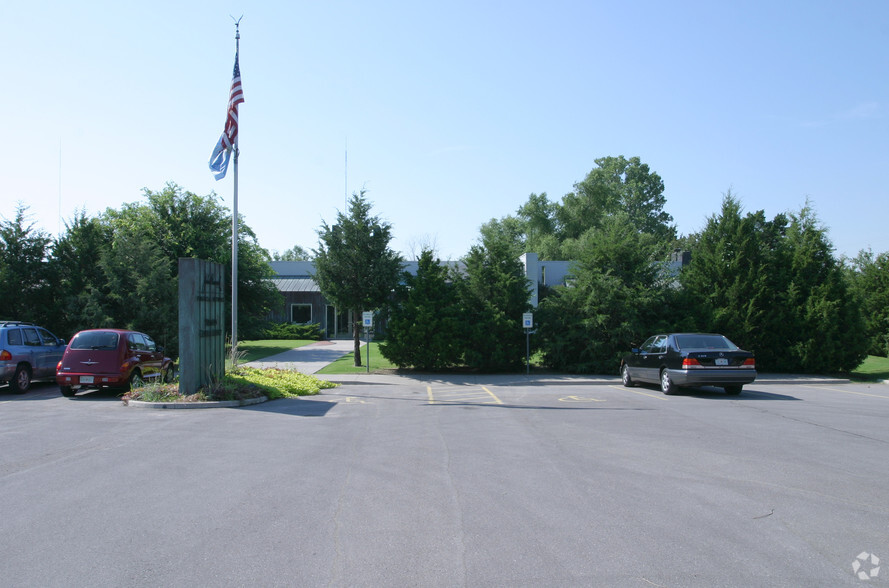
(619, 294)
(830, 336)
(25, 281)
(869, 277)
(736, 282)
(493, 293)
(81, 282)
(423, 330)
(775, 288)
(354, 266)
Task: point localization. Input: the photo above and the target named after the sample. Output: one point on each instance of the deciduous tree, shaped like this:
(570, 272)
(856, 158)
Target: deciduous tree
(295, 253)
(617, 184)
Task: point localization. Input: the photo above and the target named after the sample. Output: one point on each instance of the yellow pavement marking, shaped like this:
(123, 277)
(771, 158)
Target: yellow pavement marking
(355, 400)
(497, 400)
(463, 395)
(579, 399)
(845, 391)
(625, 389)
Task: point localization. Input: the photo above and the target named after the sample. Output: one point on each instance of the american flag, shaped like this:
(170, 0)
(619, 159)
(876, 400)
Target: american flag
(229, 138)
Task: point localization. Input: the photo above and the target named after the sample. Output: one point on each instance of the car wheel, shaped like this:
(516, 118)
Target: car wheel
(625, 376)
(667, 385)
(21, 381)
(67, 391)
(733, 390)
(136, 380)
(168, 375)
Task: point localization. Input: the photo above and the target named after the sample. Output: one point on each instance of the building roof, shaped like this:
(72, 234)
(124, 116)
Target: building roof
(294, 284)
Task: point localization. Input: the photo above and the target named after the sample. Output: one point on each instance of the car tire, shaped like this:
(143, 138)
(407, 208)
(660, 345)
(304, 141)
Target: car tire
(168, 375)
(136, 380)
(21, 380)
(625, 376)
(733, 390)
(67, 391)
(667, 385)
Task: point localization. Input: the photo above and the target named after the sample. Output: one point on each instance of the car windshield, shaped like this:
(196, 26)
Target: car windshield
(704, 342)
(95, 340)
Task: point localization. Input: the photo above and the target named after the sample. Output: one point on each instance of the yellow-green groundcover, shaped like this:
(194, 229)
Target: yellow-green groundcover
(241, 383)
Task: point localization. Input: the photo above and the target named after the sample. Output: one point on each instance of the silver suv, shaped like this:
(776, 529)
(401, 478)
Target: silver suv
(27, 353)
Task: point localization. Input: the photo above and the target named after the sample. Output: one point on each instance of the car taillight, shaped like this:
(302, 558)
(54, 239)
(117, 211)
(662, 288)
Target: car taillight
(59, 365)
(690, 362)
(749, 363)
(5, 355)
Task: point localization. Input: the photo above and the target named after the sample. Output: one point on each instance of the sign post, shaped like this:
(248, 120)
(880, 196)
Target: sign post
(368, 319)
(528, 324)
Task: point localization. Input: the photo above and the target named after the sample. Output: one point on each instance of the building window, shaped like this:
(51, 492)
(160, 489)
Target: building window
(301, 313)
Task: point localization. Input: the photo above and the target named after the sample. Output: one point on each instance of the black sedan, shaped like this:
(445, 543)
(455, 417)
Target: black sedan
(676, 360)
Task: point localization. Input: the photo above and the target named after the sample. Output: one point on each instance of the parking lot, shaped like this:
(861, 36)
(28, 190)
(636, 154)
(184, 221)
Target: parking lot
(463, 481)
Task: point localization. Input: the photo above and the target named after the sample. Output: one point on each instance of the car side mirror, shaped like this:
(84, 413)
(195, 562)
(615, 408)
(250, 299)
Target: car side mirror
(635, 350)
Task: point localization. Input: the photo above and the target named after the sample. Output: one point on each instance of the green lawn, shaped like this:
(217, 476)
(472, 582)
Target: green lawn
(253, 350)
(873, 368)
(346, 364)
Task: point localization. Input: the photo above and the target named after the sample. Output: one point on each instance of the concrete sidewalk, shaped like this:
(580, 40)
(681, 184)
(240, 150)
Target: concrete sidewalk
(307, 359)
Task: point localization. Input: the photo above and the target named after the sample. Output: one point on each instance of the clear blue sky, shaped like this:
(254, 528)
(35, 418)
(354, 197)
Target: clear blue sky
(453, 112)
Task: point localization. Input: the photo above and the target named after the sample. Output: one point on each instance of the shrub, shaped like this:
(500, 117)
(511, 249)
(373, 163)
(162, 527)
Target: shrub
(310, 331)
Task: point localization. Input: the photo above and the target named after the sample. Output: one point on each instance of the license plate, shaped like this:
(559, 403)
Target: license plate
(86, 379)
(721, 361)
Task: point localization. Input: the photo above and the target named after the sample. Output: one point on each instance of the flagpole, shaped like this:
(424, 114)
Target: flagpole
(234, 356)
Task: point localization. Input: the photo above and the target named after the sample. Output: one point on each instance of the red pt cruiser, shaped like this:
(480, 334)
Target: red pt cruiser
(111, 358)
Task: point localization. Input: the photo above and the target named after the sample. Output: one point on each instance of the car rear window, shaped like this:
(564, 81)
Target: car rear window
(704, 342)
(95, 340)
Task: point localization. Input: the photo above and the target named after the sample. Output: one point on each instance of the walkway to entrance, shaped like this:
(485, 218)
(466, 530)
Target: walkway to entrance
(307, 359)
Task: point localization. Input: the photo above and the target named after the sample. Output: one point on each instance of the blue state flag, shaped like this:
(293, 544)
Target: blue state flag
(229, 140)
(220, 158)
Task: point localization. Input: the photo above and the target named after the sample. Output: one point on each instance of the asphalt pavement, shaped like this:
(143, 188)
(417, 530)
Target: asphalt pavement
(502, 480)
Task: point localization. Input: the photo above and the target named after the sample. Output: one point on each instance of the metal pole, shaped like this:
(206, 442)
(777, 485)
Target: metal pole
(528, 351)
(235, 266)
(235, 233)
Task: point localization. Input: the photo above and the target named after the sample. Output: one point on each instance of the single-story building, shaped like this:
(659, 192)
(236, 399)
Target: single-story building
(303, 302)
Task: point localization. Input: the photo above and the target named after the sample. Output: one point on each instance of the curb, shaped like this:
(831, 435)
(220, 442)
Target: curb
(205, 404)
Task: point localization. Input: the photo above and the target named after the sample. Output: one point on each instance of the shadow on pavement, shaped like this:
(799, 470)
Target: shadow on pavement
(293, 407)
(100, 395)
(714, 393)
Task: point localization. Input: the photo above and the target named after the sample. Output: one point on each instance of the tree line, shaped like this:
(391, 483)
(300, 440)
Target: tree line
(773, 285)
(120, 268)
